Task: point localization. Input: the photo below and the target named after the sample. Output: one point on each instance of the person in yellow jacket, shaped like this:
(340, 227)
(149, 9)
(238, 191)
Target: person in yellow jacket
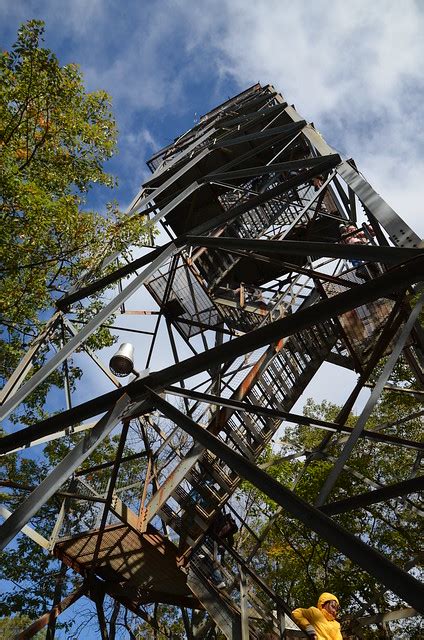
(320, 622)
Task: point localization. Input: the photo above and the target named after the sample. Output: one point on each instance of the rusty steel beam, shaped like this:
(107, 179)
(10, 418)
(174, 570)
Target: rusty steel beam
(45, 619)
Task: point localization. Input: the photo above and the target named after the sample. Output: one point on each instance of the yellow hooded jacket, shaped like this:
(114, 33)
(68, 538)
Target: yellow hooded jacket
(318, 620)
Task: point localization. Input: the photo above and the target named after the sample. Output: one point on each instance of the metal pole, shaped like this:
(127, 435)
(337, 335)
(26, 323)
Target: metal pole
(244, 605)
(51, 629)
(111, 488)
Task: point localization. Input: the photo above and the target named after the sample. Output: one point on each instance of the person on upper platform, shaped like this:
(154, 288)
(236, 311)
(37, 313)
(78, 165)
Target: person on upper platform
(350, 234)
(320, 622)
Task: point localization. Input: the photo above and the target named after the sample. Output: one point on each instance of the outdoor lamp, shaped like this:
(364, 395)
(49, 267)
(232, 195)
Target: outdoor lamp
(122, 363)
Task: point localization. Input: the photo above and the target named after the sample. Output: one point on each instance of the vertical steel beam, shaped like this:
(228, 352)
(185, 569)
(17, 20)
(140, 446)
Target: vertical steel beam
(111, 488)
(65, 368)
(60, 579)
(244, 604)
(168, 288)
(281, 622)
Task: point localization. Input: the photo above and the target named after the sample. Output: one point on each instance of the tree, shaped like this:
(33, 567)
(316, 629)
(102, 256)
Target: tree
(9, 627)
(54, 139)
(296, 563)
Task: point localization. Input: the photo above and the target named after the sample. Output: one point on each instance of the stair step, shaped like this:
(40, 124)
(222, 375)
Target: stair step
(217, 470)
(236, 438)
(194, 504)
(254, 426)
(206, 485)
(246, 427)
(178, 525)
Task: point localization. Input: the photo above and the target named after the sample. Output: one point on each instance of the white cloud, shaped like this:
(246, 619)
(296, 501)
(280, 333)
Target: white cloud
(134, 147)
(354, 69)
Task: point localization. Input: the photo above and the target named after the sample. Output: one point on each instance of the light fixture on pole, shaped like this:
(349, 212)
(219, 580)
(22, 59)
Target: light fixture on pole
(122, 363)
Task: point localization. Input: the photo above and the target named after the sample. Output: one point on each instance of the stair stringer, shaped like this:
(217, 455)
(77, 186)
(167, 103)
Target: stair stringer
(225, 616)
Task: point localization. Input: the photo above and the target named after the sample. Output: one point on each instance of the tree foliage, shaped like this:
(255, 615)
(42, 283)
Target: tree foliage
(295, 561)
(54, 140)
(11, 626)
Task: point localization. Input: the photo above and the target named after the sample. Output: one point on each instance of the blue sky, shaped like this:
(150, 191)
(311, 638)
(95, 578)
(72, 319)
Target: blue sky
(354, 69)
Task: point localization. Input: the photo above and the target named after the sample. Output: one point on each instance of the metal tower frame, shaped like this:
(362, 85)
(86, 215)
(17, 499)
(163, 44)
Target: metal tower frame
(254, 290)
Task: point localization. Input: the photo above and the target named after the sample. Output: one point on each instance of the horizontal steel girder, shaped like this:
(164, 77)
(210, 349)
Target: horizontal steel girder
(230, 403)
(281, 248)
(374, 563)
(413, 485)
(262, 170)
(397, 279)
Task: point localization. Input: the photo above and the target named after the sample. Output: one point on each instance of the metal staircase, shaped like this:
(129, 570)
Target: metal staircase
(245, 607)
(280, 381)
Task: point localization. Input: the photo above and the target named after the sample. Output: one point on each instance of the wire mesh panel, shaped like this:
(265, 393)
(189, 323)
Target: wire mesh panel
(187, 300)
